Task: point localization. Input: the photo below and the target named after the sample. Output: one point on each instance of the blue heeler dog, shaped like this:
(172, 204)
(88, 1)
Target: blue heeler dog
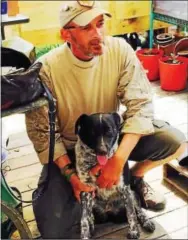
(98, 136)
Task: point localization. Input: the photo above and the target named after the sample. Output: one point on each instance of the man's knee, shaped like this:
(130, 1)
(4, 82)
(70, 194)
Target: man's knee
(167, 141)
(163, 143)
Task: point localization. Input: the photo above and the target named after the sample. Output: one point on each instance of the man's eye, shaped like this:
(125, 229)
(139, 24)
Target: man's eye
(85, 28)
(101, 24)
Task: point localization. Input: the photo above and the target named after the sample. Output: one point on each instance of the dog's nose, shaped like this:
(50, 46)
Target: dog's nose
(101, 151)
(101, 148)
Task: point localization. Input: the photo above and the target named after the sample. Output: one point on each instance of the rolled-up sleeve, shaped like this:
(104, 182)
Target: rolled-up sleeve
(38, 128)
(134, 92)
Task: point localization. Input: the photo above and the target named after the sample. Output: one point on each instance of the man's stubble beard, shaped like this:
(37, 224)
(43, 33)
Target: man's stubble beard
(85, 50)
(93, 54)
(88, 51)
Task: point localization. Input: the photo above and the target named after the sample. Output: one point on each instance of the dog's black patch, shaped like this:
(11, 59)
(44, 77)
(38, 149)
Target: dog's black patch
(98, 131)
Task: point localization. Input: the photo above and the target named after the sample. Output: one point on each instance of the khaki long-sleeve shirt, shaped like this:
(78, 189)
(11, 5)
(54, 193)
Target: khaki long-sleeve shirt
(99, 85)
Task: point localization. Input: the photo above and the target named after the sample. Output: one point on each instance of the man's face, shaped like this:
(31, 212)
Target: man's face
(87, 40)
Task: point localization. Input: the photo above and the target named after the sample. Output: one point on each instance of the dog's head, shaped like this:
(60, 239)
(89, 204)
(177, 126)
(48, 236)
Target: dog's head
(99, 132)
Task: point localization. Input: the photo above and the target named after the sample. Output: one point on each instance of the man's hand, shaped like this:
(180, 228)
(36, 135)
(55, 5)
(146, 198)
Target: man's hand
(111, 172)
(79, 187)
(95, 171)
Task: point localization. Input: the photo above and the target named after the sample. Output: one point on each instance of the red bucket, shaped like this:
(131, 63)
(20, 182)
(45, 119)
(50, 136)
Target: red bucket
(150, 61)
(173, 77)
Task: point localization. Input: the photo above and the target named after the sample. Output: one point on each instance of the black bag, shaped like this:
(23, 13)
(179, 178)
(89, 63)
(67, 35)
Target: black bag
(21, 87)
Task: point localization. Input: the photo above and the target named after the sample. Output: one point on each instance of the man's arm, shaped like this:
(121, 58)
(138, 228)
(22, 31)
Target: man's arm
(37, 123)
(128, 143)
(63, 163)
(134, 92)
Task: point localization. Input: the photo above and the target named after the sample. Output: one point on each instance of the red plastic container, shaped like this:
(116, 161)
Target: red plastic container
(150, 61)
(173, 77)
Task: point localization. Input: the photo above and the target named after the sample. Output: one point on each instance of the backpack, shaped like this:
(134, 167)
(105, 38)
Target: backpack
(21, 87)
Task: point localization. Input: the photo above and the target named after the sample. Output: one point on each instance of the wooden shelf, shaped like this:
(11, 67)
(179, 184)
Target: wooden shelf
(176, 176)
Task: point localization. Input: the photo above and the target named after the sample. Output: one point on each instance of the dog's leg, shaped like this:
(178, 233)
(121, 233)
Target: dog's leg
(143, 219)
(86, 217)
(90, 213)
(133, 232)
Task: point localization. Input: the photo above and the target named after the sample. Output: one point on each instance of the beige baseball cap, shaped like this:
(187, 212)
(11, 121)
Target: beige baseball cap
(80, 12)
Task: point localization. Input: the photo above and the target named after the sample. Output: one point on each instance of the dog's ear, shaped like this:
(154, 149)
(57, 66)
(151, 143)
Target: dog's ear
(80, 121)
(118, 119)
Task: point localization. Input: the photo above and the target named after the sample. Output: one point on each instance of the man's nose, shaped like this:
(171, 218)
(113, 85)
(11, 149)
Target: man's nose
(96, 32)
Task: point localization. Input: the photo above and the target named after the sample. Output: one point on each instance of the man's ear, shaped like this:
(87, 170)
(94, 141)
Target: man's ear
(65, 35)
(80, 122)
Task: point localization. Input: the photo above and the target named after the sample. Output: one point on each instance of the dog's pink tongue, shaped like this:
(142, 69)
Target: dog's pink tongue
(102, 159)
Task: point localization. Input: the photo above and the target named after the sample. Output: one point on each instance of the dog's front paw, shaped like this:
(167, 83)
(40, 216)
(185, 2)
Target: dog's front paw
(92, 226)
(133, 234)
(149, 226)
(85, 229)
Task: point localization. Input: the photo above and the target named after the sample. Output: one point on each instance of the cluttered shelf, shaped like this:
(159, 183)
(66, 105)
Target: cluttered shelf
(170, 20)
(174, 13)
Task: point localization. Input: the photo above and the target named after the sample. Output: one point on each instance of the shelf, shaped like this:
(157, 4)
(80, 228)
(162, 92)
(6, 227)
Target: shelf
(176, 176)
(170, 20)
(161, 13)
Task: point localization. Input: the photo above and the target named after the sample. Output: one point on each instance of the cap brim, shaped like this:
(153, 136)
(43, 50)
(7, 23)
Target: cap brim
(86, 17)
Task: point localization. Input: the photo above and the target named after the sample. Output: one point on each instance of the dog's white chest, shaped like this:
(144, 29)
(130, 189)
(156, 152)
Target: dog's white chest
(113, 192)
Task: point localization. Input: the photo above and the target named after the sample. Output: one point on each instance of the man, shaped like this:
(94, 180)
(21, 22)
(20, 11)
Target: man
(92, 73)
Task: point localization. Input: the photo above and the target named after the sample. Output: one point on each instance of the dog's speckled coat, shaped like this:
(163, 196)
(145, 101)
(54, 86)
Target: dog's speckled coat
(118, 201)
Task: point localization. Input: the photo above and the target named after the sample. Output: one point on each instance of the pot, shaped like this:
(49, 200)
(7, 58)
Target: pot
(173, 73)
(150, 61)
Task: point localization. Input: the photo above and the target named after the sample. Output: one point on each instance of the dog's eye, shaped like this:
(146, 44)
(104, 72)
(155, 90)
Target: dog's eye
(92, 133)
(109, 132)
